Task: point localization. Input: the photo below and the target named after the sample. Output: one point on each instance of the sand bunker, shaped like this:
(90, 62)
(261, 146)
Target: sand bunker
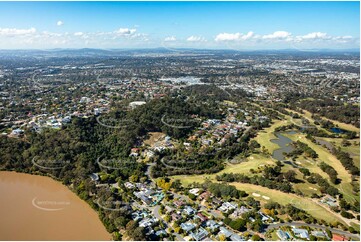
(265, 197)
(256, 194)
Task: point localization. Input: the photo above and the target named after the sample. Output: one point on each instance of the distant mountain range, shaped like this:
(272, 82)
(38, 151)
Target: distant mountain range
(164, 51)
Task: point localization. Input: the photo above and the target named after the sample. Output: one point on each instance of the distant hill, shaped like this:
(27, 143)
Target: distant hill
(89, 52)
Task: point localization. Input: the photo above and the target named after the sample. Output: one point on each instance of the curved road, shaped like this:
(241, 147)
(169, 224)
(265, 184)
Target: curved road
(156, 213)
(147, 173)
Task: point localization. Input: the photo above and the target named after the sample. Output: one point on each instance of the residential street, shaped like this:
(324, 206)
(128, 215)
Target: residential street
(155, 211)
(271, 226)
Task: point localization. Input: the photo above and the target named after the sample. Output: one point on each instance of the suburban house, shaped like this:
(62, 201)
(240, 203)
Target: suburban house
(189, 210)
(216, 201)
(227, 206)
(201, 217)
(213, 225)
(176, 216)
(337, 237)
(302, 233)
(205, 195)
(129, 185)
(239, 211)
(187, 226)
(200, 234)
(282, 235)
(225, 232)
(194, 191)
(94, 177)
(236, 237)
(179, 203)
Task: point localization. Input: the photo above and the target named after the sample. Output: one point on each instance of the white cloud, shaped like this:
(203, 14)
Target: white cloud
(344, 39)
(50, 34)
(196, 39)
(15, 32)
(277, 35)
(273, 40)
(170, 38)
(125, 31)
(314, 35)
(233, 37)
(59, 23)
(227, 37)
(130, 37)
(248, 35)
(121, 33)
(31, 38)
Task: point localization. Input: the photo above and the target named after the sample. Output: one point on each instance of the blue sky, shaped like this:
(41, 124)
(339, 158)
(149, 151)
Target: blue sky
(238, 25)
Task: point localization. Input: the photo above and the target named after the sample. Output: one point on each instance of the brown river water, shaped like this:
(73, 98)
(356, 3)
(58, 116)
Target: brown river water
(39, 208)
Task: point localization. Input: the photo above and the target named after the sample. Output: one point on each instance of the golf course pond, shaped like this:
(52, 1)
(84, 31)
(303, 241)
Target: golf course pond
(284, 143)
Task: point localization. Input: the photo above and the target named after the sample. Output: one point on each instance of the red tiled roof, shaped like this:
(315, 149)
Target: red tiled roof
(336, 237)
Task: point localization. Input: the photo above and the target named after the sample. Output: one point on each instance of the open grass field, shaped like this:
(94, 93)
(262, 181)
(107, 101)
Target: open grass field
(265, 136)
(354, 152)
(256, 161)
(274, 236)
(253, 162)
(305, 187)
(282, 198)
(298, 121)
(312, 166)
(324, 155)
(307, 204)
(350, 127)
(353, 149)
(154, 137)
(308, 115)
(187, 180)
(355, 226)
